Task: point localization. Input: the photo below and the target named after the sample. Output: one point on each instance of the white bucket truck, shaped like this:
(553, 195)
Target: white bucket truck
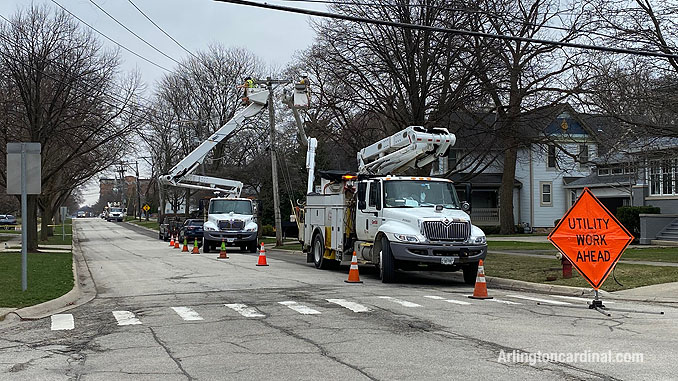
(391, 221)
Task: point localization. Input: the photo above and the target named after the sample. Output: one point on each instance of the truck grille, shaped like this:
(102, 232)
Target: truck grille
(454, 231)
(231, 225)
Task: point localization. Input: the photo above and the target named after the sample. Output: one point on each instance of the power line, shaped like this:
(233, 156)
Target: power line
(110, 39)
(163, 31)
(461, 32)
(133, 33)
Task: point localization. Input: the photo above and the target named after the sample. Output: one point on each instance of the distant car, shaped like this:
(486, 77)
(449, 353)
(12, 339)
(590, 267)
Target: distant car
(7, 221)
(115, 214)
(191, 229)
(82, 214)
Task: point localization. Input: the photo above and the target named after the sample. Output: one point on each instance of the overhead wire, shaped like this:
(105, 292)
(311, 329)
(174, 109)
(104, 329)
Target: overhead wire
(161, 29)
(133, 33)
(462, 32)
(110, 39)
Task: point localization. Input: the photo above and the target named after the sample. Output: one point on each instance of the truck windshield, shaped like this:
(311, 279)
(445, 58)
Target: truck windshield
(228, 206)
(116, 209)
(419, 193)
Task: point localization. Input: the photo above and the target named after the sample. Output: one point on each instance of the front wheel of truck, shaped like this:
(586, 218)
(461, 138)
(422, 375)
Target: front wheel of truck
(318, 249)
(470, 272)
(387, 271)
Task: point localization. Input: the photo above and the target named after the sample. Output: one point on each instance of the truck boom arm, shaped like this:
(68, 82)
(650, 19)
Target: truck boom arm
(413, 147)
(181, 174)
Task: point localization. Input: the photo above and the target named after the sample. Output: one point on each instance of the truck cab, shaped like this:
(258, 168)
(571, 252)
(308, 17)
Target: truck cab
(421, 223)
(233, 221)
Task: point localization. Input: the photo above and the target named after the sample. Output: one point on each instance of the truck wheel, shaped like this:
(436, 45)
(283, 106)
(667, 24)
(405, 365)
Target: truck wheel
(386, 262)
(318, 250)
(206, 246)
(252, 247)
(470, 272)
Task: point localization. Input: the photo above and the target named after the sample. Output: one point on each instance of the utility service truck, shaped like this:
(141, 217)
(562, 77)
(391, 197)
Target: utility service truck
(229, 218)
(390, 220)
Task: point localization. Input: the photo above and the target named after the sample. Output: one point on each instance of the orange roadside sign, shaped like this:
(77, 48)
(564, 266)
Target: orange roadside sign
(591, 238)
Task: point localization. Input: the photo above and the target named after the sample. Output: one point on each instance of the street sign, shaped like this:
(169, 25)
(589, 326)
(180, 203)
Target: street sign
(591, 238)
(146, 208)
(32, 161)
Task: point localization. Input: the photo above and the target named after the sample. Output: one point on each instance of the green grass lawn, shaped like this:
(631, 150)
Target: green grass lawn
(151, 224)
(50, 275)
(654, 254)
(6, 231)
(56, 238)
(537, 269)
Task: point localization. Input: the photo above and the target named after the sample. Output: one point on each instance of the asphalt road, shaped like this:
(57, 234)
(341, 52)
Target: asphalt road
(163, 314)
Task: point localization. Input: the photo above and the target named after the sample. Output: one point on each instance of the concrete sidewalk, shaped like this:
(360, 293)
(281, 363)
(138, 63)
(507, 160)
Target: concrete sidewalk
(520, 254)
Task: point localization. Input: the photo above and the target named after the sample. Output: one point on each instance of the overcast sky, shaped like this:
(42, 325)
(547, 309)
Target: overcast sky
(271, 35)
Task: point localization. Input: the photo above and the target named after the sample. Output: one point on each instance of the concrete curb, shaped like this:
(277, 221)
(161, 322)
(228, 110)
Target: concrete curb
(83, 291)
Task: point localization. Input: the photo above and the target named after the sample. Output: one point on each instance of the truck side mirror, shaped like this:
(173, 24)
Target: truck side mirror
(362, 188)
(465, 206)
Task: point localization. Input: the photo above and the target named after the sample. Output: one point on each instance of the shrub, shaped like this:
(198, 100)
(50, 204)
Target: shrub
(267, 230)
(629, 216)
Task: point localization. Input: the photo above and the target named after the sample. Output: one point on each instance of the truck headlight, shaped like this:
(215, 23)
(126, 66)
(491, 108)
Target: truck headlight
(210, 229)
(251, 229)
(406, 238)
(480, 240)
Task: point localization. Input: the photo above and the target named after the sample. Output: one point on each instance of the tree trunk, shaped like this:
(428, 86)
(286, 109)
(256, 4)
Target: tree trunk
(32, 220)
(507, 225)
(45, 229)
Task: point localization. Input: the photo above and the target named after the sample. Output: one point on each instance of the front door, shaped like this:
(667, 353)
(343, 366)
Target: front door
(368, 219)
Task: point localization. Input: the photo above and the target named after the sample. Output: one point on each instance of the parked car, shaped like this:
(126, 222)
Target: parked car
(7, 221)
(82, 214)
(191, 229)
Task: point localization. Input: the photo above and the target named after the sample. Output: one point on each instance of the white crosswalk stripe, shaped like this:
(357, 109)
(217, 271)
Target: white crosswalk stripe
(460, 302)
(245, 311)
(355, 307)
(187, 313)
(403, 303)
(126, 318)
(556, 302)
(62, 322)
(302, 309)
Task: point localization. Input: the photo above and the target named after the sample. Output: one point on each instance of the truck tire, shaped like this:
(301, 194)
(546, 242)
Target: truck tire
(318, 249)
(252, 247)
(206, 246)
(386, 262)
(470, 272)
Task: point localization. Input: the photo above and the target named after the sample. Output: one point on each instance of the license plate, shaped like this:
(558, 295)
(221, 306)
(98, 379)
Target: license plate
(230, 240)
(447, 260)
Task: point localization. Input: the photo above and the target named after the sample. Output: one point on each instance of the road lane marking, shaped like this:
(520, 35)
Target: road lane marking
(302, 309)
(62, 322)
(244, 310)
(126, 318)
(504, 301)
(435, 297)
(403, 303)
(577, 299)
(355, 307)
(187, 313)
(540, 300)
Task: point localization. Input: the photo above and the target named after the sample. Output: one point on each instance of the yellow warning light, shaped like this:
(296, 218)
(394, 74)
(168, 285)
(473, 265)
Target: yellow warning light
(348, 177)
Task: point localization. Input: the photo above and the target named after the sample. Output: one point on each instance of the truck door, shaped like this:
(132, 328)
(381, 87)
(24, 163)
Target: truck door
(368, 215)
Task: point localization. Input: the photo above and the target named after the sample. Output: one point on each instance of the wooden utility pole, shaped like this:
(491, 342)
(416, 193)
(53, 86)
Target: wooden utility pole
(274, 164)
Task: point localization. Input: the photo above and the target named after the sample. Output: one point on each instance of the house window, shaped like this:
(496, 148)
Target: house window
(603, 171)
(452, 159)
(663, 177)
(551, 160)
(546, 191)
(573, 197)
(617, 170)
(583, 155)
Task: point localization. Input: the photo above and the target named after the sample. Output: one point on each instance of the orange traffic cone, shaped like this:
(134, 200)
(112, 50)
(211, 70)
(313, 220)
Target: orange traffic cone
(480, 290)
(195, 247)
(185, 248)
(222, 252)
(262, 256)
(353, 276)
(176, 243)
(172, 241)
